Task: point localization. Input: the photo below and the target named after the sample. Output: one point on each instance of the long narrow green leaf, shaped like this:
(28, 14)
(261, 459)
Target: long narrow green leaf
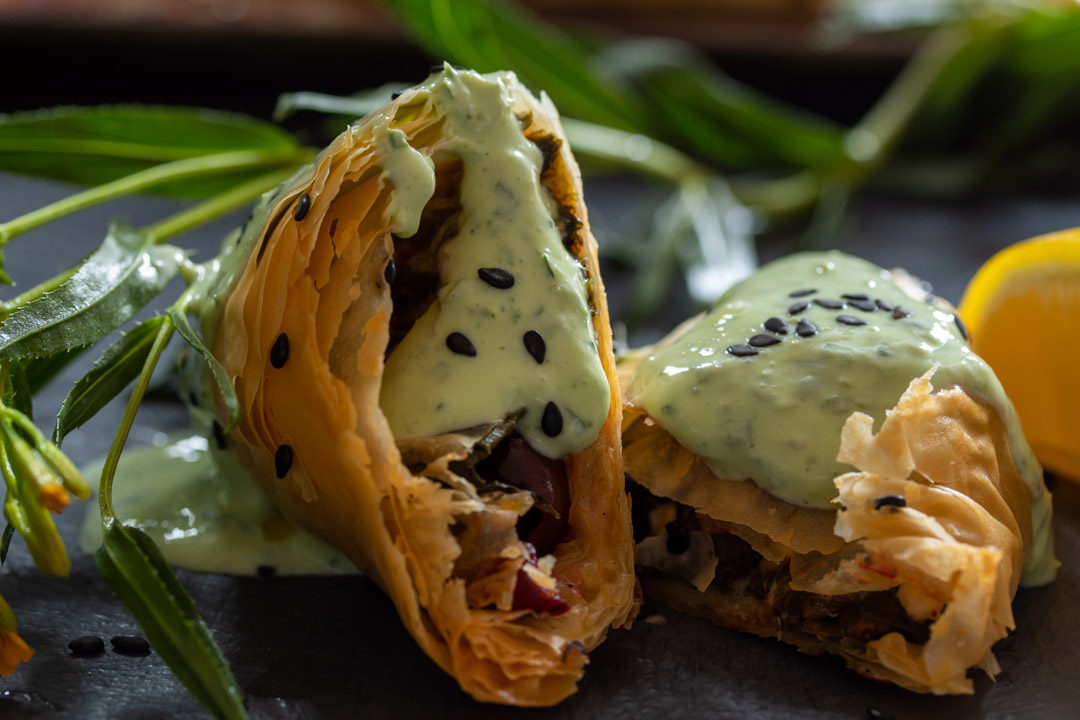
(138, 574)
(220, 374)
(113, 371)
(114, 283)
(40, 372)
(95, 145)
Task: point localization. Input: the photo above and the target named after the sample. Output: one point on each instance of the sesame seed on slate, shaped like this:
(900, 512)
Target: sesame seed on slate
(805, 328)
(796, 308)
(551, 422)
(302, 207)
(279, 351)
(283, 460)
(960, 326)
(460, 345)
(864, 305)
(534, 343)
(496, 277)
(741, 350)
(130, 645)
(219, 435)
(396, 94)
(828, 303)
(776, 325)
(886, 306)
(802, 293)
(855, 296)
(889, 501)
(87, 645)
(900, 312)
(850, 320)
(678, 538)
(390, 271)
(763, 340)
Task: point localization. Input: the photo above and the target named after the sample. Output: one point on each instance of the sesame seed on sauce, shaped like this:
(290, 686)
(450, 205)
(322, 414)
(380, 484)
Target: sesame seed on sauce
(86, 646)
(828, 303)
(900, 312)
(802, 293)
(805, 328)
(960, 326)
(741, 350)
(302, 207)
(283, 460)
(496, 277)
(390, 271)
(551, 422)
(796, 308)
(762, 340)
(460, 345)
(279, 351)
(897, 501)
(130, 645)
(864, 305)
(886, 306)
(850, 320)
(535, 345)
(855, 296)
(776, 325)
(678, 538)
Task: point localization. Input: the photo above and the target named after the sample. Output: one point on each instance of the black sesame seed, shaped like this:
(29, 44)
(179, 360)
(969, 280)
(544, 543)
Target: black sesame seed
(741, 350)
(886, 306)
(855, 296)
(496, 277)
(534, 343)
(889, 501)
(390, 271)
(265, 571)
(864, 305)
(219, 435)
(279, 352)
(302, 207)
(802, 293)
(130, 645)
(850, 320)
(87, 645)
(396, 94)
(960, 326)
(796, 308)
(551, 422)
(828, 303)
(805, 328)
(763, 340)
(900, 312)
(283, 460)
(460, 344)
(678, 538)
(776, 325)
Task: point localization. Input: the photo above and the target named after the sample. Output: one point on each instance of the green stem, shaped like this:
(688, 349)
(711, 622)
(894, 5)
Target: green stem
(108, 472)
(9, 306)
(144, 179)
(632, 151)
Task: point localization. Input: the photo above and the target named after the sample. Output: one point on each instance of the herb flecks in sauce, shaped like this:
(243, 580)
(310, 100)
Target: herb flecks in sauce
(775, 416)
(507, 222)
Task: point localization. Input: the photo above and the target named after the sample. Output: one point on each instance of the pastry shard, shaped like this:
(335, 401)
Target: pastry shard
(379, 317)
(905, 567)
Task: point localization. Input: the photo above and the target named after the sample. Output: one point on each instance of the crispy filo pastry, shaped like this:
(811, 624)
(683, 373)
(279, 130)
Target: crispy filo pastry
(418, 336)
(903, 554)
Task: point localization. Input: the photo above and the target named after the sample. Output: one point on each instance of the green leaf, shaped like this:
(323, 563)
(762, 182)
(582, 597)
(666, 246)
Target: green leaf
(40, 372)
(138, 574)
(114, 283)
(113, 371)
(95, 145)
(220, 374)
(17, 392)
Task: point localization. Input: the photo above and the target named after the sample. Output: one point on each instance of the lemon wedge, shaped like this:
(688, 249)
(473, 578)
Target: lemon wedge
(1022, 310)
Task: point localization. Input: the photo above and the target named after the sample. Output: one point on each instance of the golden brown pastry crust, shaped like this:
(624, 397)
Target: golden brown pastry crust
(321, 282)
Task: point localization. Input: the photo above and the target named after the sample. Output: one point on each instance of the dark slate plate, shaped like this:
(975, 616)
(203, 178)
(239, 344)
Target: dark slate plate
(333, 647)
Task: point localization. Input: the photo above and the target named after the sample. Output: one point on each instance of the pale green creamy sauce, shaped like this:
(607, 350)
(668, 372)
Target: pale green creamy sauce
(506, 222)
(205, 513)
(775, 418)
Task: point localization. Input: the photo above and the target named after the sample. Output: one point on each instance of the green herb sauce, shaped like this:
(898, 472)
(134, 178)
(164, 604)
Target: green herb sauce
(775, 417)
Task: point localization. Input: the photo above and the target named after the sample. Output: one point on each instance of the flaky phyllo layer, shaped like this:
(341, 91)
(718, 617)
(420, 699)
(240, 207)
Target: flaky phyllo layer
(910, 579)
(313, 266)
